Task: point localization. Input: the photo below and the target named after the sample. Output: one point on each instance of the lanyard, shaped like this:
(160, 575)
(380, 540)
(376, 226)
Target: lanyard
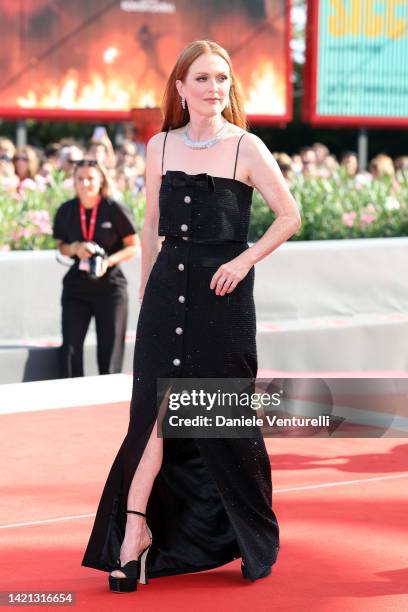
(88, 234)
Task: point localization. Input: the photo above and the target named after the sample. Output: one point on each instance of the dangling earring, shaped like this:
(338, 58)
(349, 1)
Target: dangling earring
(183, 102)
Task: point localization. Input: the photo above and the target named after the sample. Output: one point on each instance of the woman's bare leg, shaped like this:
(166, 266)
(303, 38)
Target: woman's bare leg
(136, 535)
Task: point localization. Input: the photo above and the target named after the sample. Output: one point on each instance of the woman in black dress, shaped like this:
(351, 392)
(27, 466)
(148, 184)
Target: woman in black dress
(206, 501)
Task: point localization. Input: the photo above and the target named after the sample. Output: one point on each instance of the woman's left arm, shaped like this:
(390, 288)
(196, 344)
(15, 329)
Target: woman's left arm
(267, 178)
(129, 251)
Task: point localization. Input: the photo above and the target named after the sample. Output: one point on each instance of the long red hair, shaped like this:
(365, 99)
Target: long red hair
(174, 115)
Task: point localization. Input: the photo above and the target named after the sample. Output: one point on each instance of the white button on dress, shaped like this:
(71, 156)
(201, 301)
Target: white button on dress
(179, 330)
(181, 267)
(176, 362)
(187, 199)
(184, 227)
(181, 299)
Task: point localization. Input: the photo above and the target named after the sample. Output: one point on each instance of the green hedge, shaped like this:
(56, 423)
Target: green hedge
(26, 223)
(334, 208)
(331, 208)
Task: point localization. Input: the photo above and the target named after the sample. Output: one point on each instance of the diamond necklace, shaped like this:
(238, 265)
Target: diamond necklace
(204, 144)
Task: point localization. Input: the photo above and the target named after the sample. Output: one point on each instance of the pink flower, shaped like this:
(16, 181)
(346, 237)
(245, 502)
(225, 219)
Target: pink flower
(348, 218)
(361, 179)
(38, 216)
(366, 219)
(28, 183)
(370, 207)
(42, 182)
(45, 228)
(68, 183)
(324, 173)
(41, 221)
(9, 183)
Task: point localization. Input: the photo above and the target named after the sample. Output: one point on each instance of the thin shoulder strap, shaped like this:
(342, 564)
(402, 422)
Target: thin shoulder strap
(164, 146)
(236, 157)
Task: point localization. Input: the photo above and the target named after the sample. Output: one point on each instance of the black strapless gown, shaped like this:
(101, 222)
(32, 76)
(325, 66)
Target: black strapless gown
(211, 501)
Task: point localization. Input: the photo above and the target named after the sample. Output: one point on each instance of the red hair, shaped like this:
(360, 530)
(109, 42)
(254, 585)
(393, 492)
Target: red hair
(174, 115)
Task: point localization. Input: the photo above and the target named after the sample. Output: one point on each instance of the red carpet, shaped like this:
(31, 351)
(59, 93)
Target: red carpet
(342, 506)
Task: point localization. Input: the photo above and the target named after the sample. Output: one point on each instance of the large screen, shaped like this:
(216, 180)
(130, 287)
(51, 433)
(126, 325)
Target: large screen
(357, 62)
(101, 58)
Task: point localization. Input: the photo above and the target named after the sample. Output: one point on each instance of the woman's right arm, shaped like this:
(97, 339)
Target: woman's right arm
(150, 235)
(73, 249)
(69, 249)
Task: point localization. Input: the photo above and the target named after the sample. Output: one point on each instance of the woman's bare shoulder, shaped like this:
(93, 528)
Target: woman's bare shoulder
(253, 152)
(235, 130)
(156, 141)
(252, 143)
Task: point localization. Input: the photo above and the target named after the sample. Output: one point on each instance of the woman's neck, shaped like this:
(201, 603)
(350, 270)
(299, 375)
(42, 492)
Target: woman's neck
(204, 128)
(89, 202)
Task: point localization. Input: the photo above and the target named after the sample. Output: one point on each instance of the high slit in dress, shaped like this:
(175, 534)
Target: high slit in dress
(211, 501)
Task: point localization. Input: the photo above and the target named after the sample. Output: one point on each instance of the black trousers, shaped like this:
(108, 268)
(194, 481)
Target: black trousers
(111, 312)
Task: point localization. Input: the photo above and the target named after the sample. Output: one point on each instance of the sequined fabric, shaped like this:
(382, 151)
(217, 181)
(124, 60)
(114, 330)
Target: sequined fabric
(204, 208)
(211, 501)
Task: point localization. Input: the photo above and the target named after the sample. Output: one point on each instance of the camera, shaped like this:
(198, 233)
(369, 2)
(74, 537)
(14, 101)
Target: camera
(96, 261)
(94, 264)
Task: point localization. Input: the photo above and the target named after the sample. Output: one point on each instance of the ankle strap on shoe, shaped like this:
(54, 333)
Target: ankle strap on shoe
(135, 512)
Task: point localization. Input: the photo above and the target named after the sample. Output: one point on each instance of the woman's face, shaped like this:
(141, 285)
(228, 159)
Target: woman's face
(206, 85)
(21, 164)
(351, 164)
(88, 182)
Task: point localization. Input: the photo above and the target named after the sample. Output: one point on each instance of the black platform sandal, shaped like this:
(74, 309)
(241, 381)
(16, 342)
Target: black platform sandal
(133, 570)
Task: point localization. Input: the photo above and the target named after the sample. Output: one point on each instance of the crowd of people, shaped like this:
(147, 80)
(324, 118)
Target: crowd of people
(316, 161)
(26, 167)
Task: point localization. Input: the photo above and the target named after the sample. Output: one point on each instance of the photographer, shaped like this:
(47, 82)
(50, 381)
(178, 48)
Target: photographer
(98, 233)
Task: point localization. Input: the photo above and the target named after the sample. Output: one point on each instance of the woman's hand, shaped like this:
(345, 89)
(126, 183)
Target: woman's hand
(105, 265)
(230, 274)
(83, 250)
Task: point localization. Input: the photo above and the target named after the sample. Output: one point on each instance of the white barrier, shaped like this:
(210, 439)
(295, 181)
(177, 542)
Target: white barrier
(321, 305)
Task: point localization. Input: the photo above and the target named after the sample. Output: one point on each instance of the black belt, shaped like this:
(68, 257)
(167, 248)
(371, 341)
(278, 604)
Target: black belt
(182, 240)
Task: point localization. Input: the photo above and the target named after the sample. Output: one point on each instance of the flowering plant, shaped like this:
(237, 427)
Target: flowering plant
(333, 207)
(341, 207)
(26, 218)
